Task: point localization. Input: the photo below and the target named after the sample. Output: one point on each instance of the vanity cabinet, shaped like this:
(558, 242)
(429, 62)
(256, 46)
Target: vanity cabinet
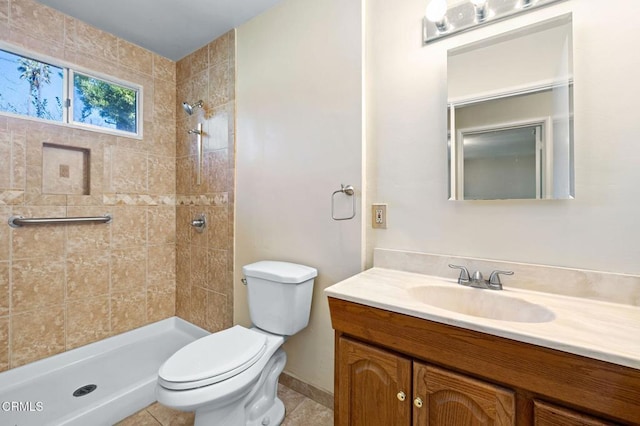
(455, 399)
(395, 369)
(375, 386)
(378, 387)
(550, 415)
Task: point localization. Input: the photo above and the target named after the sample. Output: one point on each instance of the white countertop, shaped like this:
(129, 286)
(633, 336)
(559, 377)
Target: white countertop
(601, 330)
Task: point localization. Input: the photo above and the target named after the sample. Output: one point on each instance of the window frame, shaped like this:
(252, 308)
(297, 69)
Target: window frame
(68, 95)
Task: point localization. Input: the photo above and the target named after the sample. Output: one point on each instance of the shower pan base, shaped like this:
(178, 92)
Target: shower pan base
(98, 384)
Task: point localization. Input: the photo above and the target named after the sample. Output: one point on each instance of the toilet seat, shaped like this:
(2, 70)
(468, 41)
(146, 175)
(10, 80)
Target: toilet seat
(213, 359)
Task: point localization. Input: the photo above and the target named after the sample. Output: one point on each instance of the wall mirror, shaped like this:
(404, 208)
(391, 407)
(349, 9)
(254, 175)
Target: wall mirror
(510, 115)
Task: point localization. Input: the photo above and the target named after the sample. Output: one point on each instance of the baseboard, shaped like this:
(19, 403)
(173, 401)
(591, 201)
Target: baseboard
(318, 395)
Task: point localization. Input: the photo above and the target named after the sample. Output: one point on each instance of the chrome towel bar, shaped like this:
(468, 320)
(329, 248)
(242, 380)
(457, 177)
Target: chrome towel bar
(18, 221)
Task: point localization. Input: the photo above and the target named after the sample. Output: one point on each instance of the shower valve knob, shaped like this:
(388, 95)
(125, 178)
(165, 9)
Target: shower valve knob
(199, 223)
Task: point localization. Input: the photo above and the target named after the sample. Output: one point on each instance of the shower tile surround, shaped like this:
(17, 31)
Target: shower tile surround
(204, 271)
(72, 285)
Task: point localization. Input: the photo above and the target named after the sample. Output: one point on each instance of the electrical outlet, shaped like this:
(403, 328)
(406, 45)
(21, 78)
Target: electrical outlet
(379, 216)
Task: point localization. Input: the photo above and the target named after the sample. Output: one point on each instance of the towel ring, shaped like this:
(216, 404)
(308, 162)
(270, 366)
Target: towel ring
(349, 191)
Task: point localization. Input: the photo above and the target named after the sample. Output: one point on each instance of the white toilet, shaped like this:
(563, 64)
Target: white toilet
(230, 378)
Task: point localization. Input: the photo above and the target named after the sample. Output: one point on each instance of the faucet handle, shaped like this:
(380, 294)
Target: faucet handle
(464, 273)
(494, 278)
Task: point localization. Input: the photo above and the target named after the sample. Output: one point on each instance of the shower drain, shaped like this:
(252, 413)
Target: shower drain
(84, 390)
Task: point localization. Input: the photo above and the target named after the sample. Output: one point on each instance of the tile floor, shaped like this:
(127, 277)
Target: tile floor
(301, 411)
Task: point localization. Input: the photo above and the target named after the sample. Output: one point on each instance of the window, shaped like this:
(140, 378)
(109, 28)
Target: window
(29, 87)
(100, 103)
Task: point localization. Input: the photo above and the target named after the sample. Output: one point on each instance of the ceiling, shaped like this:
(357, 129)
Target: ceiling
(171, 28)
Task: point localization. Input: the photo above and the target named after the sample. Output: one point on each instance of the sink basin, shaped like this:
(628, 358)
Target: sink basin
(481, 303)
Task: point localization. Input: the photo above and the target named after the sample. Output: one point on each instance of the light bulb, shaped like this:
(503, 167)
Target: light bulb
(436, 10)
(481, 9)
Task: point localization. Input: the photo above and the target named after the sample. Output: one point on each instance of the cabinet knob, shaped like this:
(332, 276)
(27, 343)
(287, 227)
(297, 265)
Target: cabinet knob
(418, 402)
(401, 396)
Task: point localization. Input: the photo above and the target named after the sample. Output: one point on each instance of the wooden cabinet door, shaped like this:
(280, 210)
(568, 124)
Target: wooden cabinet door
(370, 386)
(453, 399)
(551, 415)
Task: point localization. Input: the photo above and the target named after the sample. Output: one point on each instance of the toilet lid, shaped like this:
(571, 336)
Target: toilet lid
(213, 359)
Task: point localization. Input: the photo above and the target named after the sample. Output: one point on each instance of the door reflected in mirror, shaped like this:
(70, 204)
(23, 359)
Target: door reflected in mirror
(511, 115)
(493, 153)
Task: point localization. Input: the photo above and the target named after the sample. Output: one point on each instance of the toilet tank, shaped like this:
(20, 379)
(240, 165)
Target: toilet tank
(279, 295)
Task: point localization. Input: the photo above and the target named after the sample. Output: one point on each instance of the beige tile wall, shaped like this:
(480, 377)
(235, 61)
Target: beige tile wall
(204, 268)
(66, 286)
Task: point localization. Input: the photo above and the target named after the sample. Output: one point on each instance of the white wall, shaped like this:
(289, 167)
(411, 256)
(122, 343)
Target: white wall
(406, 144)
(299, 136)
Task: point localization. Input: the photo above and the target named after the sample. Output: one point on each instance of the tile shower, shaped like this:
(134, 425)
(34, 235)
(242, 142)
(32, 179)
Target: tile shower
(73, 285)
(204, 293)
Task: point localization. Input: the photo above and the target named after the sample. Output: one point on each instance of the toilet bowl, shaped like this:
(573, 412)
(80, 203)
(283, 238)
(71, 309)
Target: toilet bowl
(218, 375)
(230, 378)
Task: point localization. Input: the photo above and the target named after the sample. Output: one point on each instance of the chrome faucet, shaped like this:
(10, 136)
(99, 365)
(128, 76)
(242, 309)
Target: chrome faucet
(477, 280)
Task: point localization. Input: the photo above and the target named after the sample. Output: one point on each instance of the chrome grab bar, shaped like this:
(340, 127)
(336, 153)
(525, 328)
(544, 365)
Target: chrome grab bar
(18, 221)
(347, 190)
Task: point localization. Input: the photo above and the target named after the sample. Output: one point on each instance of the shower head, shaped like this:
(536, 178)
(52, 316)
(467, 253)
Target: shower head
(188, 108)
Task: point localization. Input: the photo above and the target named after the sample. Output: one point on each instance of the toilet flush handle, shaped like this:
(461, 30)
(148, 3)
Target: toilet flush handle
(244, 281)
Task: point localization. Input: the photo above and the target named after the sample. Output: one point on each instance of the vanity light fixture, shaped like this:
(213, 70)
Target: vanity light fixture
(442, 21)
